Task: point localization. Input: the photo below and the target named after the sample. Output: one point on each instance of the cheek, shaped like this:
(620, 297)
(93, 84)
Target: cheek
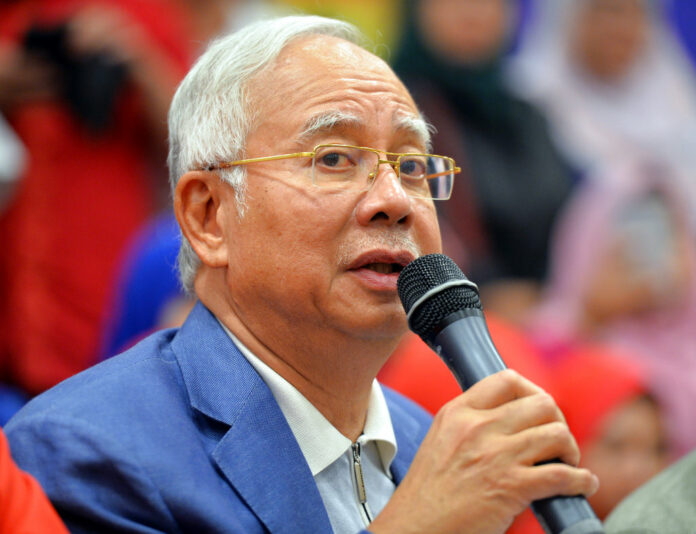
(289, 232)
(427, 229)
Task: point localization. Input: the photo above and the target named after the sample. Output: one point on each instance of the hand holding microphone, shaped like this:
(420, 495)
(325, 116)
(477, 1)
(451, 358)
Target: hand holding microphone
(489, 452)
(444, 309)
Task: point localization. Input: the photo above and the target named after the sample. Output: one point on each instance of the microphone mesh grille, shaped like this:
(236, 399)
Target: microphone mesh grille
(424, 274)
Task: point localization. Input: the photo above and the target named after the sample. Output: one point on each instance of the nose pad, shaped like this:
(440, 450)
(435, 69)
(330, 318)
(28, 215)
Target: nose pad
(375, 173)
(386, 200)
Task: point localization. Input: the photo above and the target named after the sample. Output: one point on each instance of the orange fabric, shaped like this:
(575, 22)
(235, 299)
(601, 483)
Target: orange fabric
(592, 381)
(24, 508)
(415, 370)
(77, 204)
(525, 523)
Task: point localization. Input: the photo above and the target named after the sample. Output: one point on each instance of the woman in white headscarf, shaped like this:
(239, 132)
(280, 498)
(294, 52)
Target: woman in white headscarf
(612, 79)
(623, 273)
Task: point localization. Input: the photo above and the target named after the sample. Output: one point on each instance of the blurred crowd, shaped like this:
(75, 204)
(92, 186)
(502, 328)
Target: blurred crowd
(574, 122)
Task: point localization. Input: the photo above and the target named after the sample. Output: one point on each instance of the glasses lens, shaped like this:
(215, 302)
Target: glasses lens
(347, 168)
(343, 167)
(428, 176)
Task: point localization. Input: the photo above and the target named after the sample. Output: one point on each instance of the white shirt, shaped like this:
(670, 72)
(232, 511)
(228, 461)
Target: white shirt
(330, 455)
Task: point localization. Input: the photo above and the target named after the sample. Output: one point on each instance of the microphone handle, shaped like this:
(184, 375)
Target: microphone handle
(465, 345)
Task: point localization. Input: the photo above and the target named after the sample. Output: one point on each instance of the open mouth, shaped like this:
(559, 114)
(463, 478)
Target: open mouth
(384, 268)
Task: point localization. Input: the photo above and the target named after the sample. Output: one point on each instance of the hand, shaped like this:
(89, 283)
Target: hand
(24, 78)
(154, 72)
(476, 468)
(101, 29)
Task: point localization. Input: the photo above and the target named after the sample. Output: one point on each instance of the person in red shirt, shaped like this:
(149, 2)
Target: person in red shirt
(93, 167)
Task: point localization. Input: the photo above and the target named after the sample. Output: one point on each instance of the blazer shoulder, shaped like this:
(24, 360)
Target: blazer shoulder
(401, 407)
(148, 367)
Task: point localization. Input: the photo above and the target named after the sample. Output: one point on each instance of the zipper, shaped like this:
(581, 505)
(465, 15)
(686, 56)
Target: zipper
(360, 484)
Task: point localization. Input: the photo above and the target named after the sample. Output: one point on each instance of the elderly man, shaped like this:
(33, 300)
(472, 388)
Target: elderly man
(262, 412)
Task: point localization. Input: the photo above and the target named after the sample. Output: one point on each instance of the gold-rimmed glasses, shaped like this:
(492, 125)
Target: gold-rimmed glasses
(354, 168)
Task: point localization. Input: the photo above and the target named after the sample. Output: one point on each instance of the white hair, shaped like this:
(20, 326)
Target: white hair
(210, 115)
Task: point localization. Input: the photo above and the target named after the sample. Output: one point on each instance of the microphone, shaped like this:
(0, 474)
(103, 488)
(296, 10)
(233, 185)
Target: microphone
(443, 307)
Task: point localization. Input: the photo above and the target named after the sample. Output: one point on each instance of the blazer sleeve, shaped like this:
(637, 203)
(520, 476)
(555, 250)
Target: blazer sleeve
(93, 482)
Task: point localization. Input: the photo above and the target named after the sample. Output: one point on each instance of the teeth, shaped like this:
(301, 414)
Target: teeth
(383, 268)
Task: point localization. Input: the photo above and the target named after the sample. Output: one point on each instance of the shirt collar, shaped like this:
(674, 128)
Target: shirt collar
(321, 443)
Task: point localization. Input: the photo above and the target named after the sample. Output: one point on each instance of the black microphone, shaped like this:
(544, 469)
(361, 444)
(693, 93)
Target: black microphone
(443, 307)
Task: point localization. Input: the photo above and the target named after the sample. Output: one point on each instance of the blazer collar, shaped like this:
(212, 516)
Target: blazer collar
(218, 378)
(258, 455)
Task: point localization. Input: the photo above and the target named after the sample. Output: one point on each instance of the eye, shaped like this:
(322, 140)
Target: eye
(333, 159)
(412, 166)
(336, 159)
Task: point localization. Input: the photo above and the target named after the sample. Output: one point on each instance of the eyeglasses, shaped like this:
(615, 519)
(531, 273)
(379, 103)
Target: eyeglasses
(354, 168)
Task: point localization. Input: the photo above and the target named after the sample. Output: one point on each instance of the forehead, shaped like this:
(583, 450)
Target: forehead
(320, 84)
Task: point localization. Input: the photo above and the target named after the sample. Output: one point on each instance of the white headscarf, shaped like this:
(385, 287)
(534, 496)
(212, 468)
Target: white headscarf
(651, 110)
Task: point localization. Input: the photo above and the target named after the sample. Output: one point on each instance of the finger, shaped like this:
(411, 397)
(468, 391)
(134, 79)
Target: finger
(549, 480)
(526, 412)
(92, 30)
(546, 442)
(498, 389)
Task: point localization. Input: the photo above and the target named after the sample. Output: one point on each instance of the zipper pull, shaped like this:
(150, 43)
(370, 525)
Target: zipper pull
(357, 468)
(360, 484)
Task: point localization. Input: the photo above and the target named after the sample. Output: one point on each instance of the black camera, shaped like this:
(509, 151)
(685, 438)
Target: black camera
(90, 83)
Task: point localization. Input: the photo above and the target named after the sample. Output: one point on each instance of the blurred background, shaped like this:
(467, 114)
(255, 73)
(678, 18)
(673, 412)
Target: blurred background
(574, 122)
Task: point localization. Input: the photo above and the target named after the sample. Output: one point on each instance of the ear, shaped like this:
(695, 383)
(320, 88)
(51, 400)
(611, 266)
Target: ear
(199, 208)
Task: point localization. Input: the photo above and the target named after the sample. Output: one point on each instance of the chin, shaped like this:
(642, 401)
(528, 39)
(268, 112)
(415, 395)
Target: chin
(384, 327)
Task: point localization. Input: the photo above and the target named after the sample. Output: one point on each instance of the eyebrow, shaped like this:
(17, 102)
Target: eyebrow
(335, 120)
(416, 125)
(327, 122)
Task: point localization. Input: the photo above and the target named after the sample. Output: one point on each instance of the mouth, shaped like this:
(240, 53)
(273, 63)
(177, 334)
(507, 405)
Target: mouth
(381, 266)
(384, 262)
(384, 268)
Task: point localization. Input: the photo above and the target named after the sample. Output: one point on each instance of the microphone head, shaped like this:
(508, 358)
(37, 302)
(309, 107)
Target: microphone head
(431, 288)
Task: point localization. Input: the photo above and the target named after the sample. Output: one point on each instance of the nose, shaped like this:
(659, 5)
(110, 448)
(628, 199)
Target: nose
(386, 201)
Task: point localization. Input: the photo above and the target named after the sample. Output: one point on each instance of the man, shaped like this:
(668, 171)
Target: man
(664, 505)
(261, 413)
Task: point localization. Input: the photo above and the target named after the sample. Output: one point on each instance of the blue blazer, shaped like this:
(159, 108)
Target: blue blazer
(179, 434)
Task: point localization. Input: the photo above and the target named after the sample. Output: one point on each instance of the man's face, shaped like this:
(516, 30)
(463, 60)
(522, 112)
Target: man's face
(311, 260)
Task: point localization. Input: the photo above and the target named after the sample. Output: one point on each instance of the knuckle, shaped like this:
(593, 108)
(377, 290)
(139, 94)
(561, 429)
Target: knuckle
(445, 410)
(459, 418)
(469, 425)
(558, 432)
(546, 404)
(558, 476)
(509, 376)
(453, 411)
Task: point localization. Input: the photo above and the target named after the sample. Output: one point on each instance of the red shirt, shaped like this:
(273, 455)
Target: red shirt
(79, 201)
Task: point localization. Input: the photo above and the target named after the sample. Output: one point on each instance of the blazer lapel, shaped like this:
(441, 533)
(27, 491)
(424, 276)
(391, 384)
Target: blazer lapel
(262, 460)
(258, 455)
